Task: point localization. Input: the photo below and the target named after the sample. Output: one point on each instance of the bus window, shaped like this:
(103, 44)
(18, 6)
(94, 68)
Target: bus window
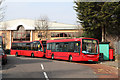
(53, 47)
(39, 47)
(49, 46)
(27, 46)
(14, 46)
(57, 47)
(20, 46)
(65, 47)
(74, 47)
(23, 46)
(71, 47)
(77, 47)
(35, 46)
(44, 46)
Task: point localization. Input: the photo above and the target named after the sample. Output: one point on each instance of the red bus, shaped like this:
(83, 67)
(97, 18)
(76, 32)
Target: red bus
(77, 49)
(33, 49)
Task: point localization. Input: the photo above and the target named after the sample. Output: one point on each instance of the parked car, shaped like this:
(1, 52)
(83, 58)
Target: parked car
(4, 56)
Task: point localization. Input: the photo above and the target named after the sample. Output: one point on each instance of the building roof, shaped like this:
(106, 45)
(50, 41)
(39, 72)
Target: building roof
(29, 24)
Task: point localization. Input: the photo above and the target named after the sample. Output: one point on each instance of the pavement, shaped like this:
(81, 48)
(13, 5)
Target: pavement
(110, 63)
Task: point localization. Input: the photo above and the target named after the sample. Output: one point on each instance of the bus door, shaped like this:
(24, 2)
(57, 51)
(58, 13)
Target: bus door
(39, 51)
(44, 46)
(48, 51)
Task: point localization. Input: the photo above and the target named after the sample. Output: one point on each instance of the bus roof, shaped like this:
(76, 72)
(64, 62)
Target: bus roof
(68, 40)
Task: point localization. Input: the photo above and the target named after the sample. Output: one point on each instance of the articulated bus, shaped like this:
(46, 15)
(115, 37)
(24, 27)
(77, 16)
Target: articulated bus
(77, 49)
(33, 49)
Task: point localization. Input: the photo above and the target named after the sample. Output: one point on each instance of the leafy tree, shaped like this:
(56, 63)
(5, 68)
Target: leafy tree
(99, 18)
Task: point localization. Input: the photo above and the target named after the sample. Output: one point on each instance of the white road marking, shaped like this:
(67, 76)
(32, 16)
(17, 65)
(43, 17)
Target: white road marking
(42, 66)
(45, 75)
(44, 72)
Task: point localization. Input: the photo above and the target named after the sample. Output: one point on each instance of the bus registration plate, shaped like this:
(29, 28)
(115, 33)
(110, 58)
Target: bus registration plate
(90, 60)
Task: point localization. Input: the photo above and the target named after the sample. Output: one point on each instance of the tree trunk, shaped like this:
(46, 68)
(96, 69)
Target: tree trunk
(103, 34)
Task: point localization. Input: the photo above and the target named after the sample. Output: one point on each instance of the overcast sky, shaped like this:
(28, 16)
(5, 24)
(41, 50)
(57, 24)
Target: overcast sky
(57, 10)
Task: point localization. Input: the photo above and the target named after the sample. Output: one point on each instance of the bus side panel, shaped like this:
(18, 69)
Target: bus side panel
(22, 52)
(39, 54)
(17, 51)
(27, 53)
(65, 55)
(12, 52)
(75, 56)
(62, 55)
(48, 54)
(88, 57)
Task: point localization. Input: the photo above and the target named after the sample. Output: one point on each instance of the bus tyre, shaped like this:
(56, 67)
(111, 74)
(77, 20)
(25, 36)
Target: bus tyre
(32, 55)
(70, 58)
(52, 57)
(16, 54)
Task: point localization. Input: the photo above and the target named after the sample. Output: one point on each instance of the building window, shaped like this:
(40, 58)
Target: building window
(39, 34)
(3, 34)
(61, 34)
(21, 34)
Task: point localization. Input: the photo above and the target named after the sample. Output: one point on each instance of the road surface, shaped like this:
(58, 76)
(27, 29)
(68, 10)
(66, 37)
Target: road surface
(27, 67)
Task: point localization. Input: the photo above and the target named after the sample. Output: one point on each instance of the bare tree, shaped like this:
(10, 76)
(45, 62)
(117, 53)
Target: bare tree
(79, 31)
(41, 26)
(2, 12)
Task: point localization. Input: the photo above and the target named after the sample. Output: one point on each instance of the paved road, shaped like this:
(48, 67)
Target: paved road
(26, 67)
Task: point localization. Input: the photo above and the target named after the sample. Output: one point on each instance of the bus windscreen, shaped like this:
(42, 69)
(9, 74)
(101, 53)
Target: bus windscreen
(89, 46)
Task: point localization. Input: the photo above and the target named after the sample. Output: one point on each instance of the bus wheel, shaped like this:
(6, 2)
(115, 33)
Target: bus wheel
(32, 55)
(16, 54)
(52, 57)
(70, 58)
